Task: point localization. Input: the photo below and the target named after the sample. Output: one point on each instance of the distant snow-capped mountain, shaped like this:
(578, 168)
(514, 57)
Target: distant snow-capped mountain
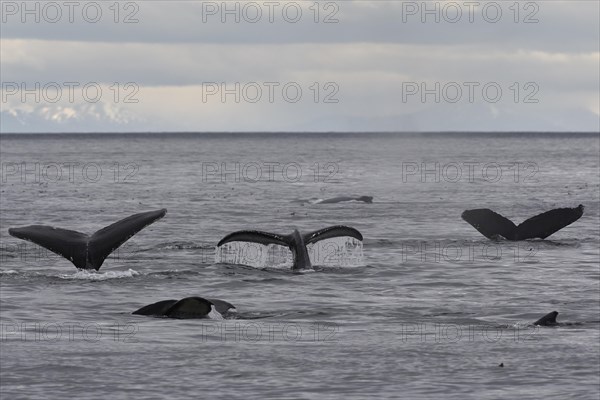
(85, 117)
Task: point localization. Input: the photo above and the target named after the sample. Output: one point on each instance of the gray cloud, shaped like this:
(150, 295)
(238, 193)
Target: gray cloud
(542, 25)
(192, 64)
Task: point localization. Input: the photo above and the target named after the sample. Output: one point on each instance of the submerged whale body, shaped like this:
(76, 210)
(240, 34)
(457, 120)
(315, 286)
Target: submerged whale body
(549, 320)
(340, 199)
(87, 251)
(295, 241)
(187, 308)
(492, 225)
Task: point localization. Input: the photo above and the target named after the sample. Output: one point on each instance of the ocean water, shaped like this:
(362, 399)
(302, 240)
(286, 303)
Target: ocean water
(426, 307)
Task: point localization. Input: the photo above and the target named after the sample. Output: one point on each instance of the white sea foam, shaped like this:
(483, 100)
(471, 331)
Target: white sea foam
(9, 272)
(100, 276)
(340, 251)
(214, 314)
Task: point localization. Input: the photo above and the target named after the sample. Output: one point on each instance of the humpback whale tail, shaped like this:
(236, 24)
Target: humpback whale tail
(491, 224)
(295, 241)
(85, 251)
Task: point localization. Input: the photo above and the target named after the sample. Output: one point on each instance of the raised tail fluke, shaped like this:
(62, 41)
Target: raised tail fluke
(71, 245)
(265, 238)
(332, 232)
(84, 251)
(295, 241)
(490, 224)
(108, 239)
(543, 225)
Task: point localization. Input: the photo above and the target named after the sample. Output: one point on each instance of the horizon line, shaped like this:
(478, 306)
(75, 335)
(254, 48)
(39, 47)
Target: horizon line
(298, 132)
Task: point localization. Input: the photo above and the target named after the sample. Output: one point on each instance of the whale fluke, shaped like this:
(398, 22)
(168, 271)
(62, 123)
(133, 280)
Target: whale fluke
(332, 232)
(492, 225)
(84, 251)
(295, 241)
(489, 223)
(265, 238)
(187, 308)
(547, 320)
(543, 225)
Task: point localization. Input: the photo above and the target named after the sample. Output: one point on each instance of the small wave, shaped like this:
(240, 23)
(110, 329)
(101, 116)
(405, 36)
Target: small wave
(312, 200)
(173, 272)
(306, 271)
(100, 276)
(183, 246)
(9, 272)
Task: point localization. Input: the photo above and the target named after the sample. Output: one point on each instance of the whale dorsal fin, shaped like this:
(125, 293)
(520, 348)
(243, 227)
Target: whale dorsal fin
(331, 232)
(190, 307)
(548, 319)
(82, 250)
(489, 223)
(265, 238)
(545, 224)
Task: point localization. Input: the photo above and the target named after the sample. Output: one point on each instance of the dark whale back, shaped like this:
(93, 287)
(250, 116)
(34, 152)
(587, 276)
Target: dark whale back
(155, 309)
(340, 199)
(189, 307)
(547, 320)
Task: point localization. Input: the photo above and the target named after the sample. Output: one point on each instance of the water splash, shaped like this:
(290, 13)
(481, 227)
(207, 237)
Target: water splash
(214, 314)
(254, 254)
(99, 276)
(341, 251)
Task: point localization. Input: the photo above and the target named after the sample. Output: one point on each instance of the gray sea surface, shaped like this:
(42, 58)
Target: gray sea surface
(426, 308)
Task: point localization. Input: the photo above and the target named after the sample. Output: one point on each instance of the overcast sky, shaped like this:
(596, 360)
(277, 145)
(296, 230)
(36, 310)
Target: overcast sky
(300, 66)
